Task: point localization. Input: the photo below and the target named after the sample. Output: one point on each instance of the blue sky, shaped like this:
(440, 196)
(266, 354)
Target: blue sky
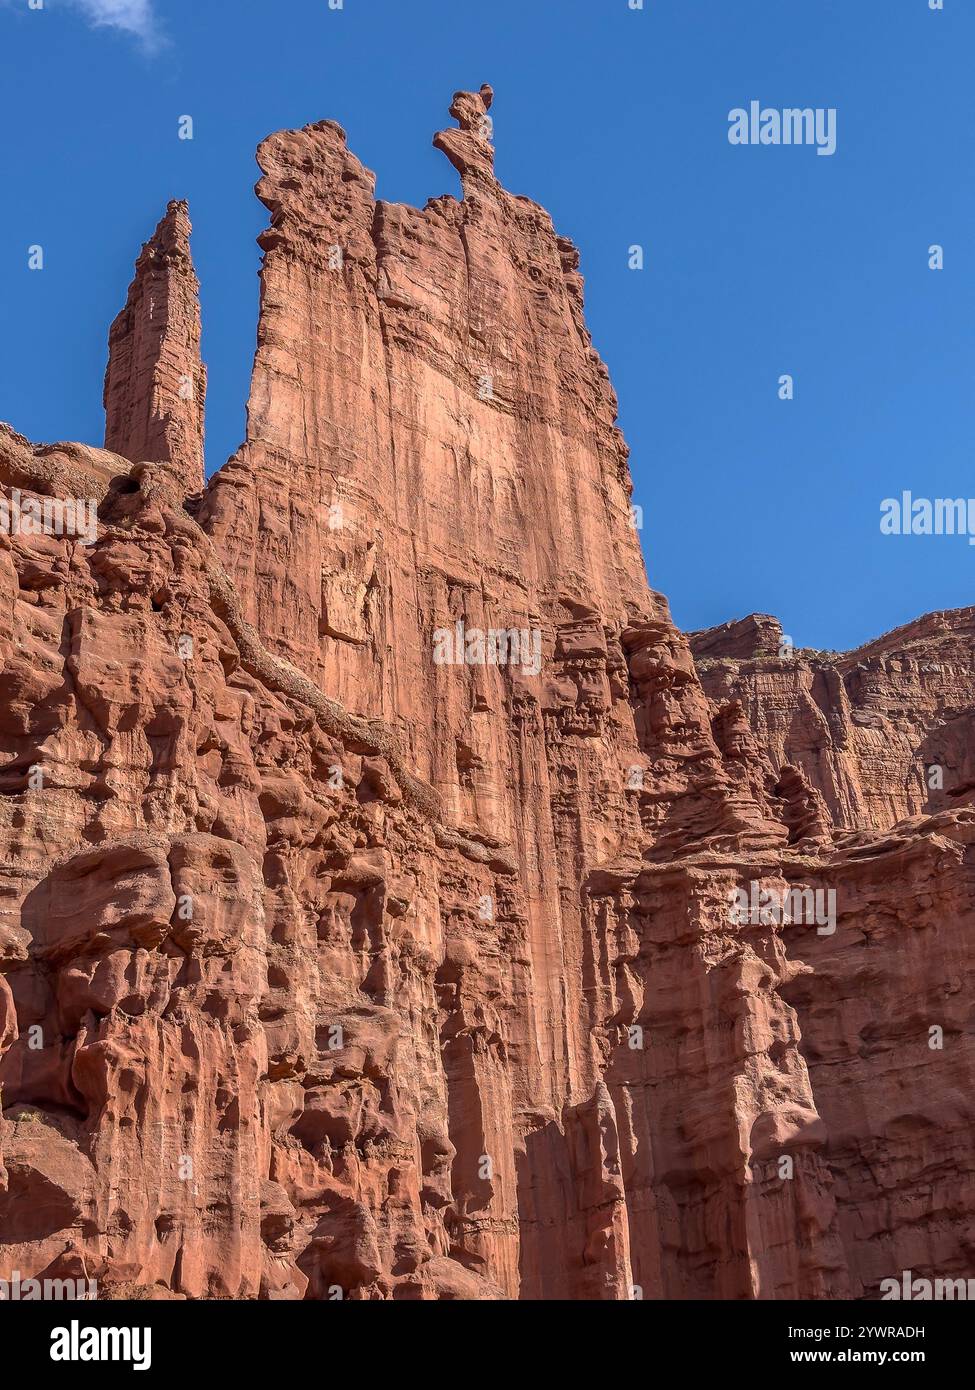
(758, 261)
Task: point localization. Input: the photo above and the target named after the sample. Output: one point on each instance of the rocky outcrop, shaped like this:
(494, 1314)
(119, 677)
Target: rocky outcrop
(881, 733)
(374, 854)
(155, 385)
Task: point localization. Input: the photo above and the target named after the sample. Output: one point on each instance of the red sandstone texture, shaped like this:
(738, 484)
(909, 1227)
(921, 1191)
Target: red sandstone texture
(155, 385)
(333, 969)
(883, 733)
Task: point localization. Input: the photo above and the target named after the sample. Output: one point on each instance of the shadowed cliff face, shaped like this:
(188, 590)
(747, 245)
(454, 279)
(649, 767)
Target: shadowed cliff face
(371, 845)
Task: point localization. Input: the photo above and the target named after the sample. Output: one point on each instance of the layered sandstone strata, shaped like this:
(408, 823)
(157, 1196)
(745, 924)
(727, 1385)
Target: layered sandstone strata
(347, 952)
(882, 733)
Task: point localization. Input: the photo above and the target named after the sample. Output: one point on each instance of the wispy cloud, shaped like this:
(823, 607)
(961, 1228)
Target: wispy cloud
(135, 17)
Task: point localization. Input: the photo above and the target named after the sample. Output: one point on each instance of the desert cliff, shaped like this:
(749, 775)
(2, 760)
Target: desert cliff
(370, 837)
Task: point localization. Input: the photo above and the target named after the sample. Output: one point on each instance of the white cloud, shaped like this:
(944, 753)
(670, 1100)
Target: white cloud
(133, 17)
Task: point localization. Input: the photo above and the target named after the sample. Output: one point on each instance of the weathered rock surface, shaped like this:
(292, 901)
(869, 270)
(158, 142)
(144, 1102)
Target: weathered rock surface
(330, 967)
(882, 733)
(155, 384)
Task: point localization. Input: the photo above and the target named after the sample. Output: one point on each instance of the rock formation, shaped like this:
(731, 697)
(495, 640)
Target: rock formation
(155, 385)
(882, 733)
(373, 848)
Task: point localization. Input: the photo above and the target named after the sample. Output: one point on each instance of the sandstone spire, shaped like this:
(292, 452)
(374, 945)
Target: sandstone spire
(155, 384)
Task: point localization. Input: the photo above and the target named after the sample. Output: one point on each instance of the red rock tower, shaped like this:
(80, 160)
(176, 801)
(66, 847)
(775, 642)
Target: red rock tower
(155, 383)
(432, 447)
